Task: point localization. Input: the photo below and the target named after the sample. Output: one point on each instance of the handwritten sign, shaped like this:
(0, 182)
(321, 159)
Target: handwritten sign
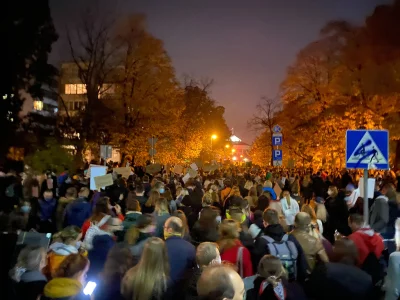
(96, 171)
(153, 169)
(186, 178)
(103, 181)
(207, 168)
(192, 173)
(124, 172)
(194, 166)
(178, 169)
(198, 162)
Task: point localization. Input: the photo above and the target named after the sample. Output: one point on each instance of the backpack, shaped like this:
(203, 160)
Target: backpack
(93, 231)
(286, 251)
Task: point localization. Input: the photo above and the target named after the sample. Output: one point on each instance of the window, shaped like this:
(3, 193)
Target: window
(106, 89)
(38, 105)
(81, 89)
(73, 89)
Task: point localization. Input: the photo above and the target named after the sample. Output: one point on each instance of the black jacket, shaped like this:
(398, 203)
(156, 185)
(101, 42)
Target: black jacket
(318, 187)
(261, 248)
(332, 281)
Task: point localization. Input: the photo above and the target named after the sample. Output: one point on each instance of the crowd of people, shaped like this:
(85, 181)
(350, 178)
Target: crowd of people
(234, 233)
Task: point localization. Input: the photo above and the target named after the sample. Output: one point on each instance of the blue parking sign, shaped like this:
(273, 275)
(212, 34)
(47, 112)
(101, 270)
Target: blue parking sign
(277, 154)
(277, 139)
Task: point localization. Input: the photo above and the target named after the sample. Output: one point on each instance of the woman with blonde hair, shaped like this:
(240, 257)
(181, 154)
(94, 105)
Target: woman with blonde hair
(316, 224)
(148, 279)
(252, 198)
(272, 282)
(232, 250)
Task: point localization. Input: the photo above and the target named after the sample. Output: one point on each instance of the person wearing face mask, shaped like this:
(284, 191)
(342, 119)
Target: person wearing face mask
(47, 210)
(207, 254)
(69, 280)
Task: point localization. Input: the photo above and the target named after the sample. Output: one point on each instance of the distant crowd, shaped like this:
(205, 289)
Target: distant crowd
(234, 233)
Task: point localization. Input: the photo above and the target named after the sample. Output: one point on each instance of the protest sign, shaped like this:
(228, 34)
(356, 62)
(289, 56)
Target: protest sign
(103, 181)
(124, 172)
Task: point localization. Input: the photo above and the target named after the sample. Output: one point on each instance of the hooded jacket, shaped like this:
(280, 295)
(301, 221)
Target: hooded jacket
(64, 288)
(77, 212)
(58, 252)
(367, 241)
(131, 218)
(47, 209)
(98, 254)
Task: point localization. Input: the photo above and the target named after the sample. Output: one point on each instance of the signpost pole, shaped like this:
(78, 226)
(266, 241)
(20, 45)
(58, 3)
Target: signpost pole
(152, 149)
(366, 206)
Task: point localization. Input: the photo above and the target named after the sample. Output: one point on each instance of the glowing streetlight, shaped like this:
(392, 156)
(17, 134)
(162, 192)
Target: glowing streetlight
(233, 150)
(241, 156)
(227, 146)
(214, 137)
(234, 158)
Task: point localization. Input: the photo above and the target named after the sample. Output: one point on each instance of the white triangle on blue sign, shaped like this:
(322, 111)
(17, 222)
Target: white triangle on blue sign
(367, 152)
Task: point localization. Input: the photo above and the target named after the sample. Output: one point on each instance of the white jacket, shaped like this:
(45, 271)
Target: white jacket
(289, 211)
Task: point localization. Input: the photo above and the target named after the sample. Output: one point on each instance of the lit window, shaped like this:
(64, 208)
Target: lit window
(81, 88)
(73, 89)
(38, 105)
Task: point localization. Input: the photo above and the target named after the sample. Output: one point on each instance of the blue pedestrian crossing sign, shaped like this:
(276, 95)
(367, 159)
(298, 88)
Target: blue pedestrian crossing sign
(277, 155)
(367, 149)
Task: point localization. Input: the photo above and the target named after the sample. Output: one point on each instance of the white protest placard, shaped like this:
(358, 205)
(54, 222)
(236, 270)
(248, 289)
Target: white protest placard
(371, 187)
(124, 172)
(194, 166)
(102, 181)
(186, 178)
(96, 171)
(192, 173)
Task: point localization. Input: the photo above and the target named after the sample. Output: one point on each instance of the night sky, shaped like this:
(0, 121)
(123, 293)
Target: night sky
(244, 45)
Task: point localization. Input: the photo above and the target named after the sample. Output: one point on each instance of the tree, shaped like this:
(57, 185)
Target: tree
(30, 33)
(265, 119)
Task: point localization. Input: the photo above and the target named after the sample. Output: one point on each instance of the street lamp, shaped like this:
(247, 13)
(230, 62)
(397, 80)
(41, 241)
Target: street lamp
(233, 150)
(213, 137)
(227, 146)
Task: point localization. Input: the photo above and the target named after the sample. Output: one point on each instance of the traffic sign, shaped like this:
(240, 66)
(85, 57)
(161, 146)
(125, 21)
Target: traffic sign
(277, 129)
(277, 163)
(367, 149)
(277, 154)
(277, 139)
(153, 140)
(152, 152)
(105, 151)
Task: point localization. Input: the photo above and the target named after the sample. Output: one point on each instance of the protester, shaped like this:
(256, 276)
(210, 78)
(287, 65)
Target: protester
(271, 282)
(27, 274)
(206, 254)
(119, 261)
(149, 278)
(312, 247)
(365, 238)
(220, 282)
(232, 250)
(69, 280)
(79, 210)
(133, 212)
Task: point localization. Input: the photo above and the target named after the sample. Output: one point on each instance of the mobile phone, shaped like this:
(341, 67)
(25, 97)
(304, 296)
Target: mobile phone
(89, 288)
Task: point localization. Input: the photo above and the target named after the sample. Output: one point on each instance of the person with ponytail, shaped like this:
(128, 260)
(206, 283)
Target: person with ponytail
(271, 282)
